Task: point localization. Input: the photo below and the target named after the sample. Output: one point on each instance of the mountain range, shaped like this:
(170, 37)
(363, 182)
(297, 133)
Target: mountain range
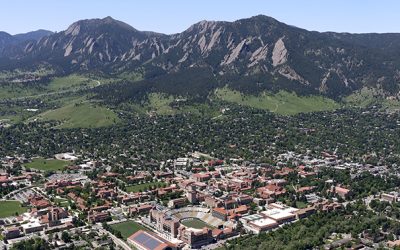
(251, 55)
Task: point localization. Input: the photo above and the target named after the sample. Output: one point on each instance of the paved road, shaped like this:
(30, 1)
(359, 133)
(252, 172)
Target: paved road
(16, 191)
(218, 244)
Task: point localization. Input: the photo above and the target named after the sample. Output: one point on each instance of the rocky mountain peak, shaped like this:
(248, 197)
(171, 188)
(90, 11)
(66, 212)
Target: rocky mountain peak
(257, 50)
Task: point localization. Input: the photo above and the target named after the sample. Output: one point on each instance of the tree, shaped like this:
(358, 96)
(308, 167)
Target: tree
(66, 237)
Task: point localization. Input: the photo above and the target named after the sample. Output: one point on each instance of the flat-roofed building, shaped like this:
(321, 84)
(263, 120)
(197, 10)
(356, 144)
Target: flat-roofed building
(11, 233)
(181, 163)
(248, 218)
(279, 215)
(257, 223)
(390, 197)
(32, 227)
(144, 240)
(176, 203)
(305, 212)
(261, 225)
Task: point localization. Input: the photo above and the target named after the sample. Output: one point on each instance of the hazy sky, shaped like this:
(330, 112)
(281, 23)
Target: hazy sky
(171, 16)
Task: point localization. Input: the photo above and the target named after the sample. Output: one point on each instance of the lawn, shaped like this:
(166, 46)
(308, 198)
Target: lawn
(283, 102)
(81, 115)
(47, 164)
(9, 208)
(61, 202)
(196, 223)
(128, 228)
(142, 187)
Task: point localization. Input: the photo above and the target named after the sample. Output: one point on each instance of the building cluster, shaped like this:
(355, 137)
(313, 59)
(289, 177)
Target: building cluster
(189, 202)
(40, 219)
(274, 216)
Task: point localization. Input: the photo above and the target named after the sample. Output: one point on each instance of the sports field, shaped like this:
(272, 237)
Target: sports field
(196, 223)
(128, 228)
(47, 164)
(10, 208)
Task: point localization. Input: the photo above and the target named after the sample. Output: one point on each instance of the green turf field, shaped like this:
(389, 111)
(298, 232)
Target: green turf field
(47, 164)
(283, 102)
(142, 187)
(196, 223)
(128, 228)
(9, 208)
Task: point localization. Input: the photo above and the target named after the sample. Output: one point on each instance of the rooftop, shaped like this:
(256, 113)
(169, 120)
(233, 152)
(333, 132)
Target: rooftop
(253, 217)
(278, 214)
(265, 222)
(148, 241)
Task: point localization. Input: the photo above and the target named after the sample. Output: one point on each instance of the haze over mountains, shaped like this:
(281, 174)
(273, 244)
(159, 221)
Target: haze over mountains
(250, 55)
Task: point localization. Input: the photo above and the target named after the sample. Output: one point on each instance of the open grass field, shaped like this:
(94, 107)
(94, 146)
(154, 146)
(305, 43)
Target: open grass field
(61, 202)
(17, 90)
(371, 96)
(160, 104)
(66, 83)
(81, 115)
(283, 102)
(128, 228)
(59, 91)
(47, 165)
(70, 82)
(9, 208)
(363, 97)
(142, 187)
(196, 223)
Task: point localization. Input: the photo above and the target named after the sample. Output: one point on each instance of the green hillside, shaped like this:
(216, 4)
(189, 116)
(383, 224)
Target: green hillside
(283, 102)
(81, 115)
(71, 82)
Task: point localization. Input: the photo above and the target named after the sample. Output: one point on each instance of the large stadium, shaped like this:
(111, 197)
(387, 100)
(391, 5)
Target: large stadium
(197, 218)
(192, 225)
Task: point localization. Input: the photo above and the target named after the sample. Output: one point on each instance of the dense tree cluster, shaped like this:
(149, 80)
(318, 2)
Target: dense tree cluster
(31, 244)
(312, 232)
(245, 133)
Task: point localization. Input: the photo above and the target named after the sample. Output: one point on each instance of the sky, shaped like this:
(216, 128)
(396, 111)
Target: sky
(173, 16)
